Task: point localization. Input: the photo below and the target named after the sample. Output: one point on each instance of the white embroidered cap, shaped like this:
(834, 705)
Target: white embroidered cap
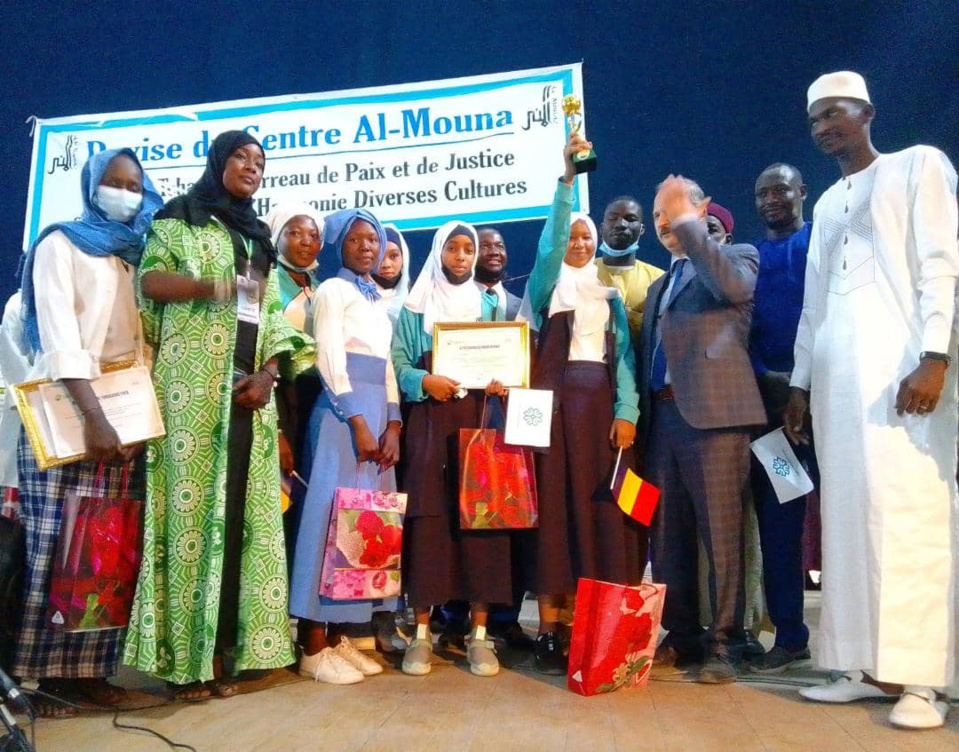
(844, 84)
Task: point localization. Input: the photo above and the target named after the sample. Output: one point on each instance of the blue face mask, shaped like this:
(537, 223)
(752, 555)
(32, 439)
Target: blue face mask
(607, 251)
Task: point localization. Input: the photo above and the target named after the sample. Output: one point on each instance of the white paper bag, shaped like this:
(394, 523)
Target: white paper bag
(788, 477)
(529, 414)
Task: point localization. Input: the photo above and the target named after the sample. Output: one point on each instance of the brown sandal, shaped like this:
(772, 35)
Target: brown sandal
(49, 707)
(222, 688)
(193, 692)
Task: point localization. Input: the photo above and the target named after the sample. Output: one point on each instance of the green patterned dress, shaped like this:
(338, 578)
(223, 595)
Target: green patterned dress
(173, 625)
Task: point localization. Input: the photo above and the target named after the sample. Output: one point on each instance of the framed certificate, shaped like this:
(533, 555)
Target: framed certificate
(474, 353)
(54, 425)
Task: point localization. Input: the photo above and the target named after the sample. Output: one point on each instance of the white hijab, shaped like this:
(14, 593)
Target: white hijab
(434, 296)
(281, 214)
(579, 290)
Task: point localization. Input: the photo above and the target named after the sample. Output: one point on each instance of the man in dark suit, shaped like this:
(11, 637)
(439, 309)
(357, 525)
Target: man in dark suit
(698, 398)
(490, 269)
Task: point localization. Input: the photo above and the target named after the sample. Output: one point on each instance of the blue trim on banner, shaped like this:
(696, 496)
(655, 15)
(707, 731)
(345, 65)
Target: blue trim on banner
(565, 77)
(500, 215)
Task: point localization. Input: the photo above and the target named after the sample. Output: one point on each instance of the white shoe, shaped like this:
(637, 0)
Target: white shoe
(918, 708)
(846, 687)
(348, 652)
(326, 666)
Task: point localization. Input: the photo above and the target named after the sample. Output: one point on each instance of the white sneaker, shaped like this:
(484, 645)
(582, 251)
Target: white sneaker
(918, 708)
(326, 666)
(348, 652)
(846, 687)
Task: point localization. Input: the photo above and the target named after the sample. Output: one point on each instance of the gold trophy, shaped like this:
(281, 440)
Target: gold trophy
(583, 161)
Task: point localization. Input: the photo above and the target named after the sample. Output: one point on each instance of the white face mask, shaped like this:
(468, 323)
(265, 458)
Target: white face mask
(118, 204)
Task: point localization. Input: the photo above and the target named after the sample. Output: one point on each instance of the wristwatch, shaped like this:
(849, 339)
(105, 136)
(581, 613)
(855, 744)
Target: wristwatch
(928, 355)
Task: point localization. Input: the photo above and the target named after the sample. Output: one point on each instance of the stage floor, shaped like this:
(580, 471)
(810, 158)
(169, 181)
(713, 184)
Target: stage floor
(517, 710)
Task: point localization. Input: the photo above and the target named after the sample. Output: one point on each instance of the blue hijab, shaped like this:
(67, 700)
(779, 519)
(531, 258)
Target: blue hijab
(337, 226)
(93, 234)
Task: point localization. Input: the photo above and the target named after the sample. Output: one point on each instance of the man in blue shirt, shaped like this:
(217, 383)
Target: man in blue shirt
(778, 304)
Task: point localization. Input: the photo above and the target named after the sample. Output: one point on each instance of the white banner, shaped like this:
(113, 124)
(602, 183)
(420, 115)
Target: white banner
(483, 148)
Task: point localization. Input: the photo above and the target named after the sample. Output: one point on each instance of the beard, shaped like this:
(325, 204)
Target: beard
(488, 277)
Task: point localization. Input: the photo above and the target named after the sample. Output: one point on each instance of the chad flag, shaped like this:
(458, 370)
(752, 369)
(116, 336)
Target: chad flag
(635, 496)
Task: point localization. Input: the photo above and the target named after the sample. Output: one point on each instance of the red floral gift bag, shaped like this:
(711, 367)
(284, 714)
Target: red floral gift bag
(497, 488)
(363, 545)
(615, 631)
(97, 561)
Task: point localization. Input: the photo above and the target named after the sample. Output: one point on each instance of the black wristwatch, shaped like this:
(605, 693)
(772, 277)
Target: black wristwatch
(927, 355)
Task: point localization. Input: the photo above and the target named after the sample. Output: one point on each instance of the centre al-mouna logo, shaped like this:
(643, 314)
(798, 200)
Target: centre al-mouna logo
(66, 159)
(546, 111)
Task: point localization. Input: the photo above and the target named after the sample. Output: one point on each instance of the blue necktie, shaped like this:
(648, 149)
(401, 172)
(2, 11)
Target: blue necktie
(492, 301)
(657, 375)
(369, 289)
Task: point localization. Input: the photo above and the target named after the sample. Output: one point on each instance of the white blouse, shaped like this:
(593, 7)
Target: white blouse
(86, 310)
(591, 346)
(15, 364)
(346, 321)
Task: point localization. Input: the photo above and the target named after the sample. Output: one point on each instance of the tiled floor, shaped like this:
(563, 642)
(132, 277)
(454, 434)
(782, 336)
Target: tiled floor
(517, 710)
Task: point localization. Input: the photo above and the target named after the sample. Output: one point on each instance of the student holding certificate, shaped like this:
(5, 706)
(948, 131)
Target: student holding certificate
(584, 356)
(441, 562)
(79, 313)
(213, 585)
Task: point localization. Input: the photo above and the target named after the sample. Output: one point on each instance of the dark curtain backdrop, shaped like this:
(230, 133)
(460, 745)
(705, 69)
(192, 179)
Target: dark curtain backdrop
(714, 90)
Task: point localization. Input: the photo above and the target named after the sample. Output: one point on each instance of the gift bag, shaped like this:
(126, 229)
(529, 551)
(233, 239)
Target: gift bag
(497, 483)
(97, 560)
(615, 631)
(363, 545)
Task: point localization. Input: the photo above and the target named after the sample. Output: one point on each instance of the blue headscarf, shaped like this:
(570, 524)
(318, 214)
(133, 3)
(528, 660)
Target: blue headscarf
(338, 225)
(93, 234)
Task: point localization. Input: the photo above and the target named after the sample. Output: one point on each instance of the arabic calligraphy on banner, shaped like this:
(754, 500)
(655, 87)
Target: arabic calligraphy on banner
(483, 148)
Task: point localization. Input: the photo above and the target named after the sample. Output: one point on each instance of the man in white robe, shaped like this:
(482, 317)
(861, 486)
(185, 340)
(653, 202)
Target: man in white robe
(873, 353)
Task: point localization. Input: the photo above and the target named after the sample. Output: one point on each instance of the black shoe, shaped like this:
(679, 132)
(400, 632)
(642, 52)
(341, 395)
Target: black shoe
(512, 635)
(719, 669)
(549, 655)
(778, 660)
(749, 652)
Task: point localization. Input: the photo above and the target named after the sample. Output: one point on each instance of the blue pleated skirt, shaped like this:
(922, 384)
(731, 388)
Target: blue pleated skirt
(329, 441)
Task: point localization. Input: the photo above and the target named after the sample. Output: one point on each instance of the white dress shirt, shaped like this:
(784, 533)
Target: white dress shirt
(86, 310)
(346, 321)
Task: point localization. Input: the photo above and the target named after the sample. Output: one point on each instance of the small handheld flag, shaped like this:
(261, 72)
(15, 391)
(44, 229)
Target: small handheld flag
(635, 496)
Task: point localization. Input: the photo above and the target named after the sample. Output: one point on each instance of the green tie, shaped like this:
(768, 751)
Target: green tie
(491, 299)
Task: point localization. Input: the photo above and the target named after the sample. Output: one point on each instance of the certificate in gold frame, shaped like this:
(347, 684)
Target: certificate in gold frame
(449, 360)
(26, 395)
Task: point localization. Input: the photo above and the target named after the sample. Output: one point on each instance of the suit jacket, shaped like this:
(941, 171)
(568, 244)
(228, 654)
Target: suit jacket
(512, 305)
(705, 333)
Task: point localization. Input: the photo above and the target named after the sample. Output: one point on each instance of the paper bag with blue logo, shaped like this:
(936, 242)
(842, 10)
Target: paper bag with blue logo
(787, 475)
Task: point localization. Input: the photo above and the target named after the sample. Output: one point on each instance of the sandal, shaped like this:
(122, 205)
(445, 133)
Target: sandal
(50, 707)
(222, 688)
(100, 692)
(192, 692)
